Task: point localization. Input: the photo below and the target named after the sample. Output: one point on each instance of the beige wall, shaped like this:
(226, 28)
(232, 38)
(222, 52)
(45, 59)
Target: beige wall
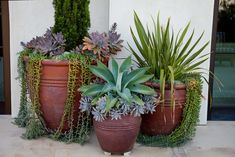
(31, 18)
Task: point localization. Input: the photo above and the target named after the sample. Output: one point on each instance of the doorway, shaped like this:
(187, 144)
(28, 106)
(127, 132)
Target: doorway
(223, 62)
(5, 94)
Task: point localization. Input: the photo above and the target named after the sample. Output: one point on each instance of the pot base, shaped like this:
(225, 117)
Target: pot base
(124, 154)
(117, 136)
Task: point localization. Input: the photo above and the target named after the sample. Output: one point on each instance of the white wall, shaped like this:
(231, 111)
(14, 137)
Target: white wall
(31, 18)
(199, 12)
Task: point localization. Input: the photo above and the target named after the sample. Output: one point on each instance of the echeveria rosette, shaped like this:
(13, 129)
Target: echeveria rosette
(98, 43)
(50, 44)
(115, 44)
(123, 91)
(103, 44)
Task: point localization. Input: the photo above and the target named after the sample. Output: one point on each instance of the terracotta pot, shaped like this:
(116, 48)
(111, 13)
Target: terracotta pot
(117, 136)
(53, 93)
(165, 120)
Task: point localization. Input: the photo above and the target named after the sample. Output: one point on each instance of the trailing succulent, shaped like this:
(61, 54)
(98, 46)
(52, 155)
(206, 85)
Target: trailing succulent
(51, 46)
(103, 44)
(122, 92)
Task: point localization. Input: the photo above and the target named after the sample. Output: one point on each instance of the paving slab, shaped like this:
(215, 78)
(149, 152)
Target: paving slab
(216, 139)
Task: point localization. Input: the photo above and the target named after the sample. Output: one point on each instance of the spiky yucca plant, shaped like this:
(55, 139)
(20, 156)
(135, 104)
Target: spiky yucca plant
(169, 57)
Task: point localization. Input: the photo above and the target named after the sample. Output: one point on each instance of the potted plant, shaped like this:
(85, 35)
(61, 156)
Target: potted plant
(170, 58)
(116, 104)
(53, 76)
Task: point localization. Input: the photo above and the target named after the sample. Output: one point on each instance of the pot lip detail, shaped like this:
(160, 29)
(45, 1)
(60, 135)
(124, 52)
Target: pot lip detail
(157, 85)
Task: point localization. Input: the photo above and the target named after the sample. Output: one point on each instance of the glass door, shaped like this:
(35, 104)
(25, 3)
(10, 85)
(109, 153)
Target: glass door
(223, 103)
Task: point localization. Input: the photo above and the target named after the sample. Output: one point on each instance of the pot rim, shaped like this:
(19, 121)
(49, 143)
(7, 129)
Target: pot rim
(167, 86)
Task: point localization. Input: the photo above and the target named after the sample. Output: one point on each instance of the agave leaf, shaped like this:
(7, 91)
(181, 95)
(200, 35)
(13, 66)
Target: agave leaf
(84, 88)
(137, 100)
(93, 90)
(126, 64)
(107, 88)
(115, 69)
(119, 82)
(125, 94)
(110, 103)
(103, 73)
(141, 79)
(142, 89)
(133, 76)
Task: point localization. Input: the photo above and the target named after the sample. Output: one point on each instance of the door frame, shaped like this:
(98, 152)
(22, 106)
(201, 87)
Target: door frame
(6, 56)
(212, 57)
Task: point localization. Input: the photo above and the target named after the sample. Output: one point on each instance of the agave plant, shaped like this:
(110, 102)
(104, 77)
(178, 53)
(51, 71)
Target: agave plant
(169, 57)
(122, 93)
(103, 44)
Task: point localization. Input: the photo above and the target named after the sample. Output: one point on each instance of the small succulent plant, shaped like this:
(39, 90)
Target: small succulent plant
(49, 44)
(121, 93)
(103, 44)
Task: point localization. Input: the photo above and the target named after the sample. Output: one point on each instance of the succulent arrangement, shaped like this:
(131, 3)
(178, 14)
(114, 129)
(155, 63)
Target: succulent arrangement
(103, 44)
(122, 93)
(50, 44)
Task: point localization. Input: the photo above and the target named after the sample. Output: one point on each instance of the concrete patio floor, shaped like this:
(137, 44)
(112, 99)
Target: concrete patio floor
(217, 139)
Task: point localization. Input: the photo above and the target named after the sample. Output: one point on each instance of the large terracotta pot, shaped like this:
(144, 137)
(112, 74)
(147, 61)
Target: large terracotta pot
(117, 136)
(165, 120)
(53, 93)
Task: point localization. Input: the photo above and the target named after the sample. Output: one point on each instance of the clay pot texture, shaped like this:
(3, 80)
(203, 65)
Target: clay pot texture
(53, 93)
(117, 136)
(165, 119)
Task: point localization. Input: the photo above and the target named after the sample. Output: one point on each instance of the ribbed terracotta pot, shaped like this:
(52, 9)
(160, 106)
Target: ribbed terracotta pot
(53, 93)
(165, 120)
(117, 136)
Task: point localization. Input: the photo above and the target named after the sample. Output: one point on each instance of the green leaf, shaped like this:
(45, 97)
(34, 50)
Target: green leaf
(110, 103)
(125, 94)
(114, 66)
(137, 100)
(142, 89)
(134, 75)
(93, 90)
(126, 64)
(103, 73)
(141, 79)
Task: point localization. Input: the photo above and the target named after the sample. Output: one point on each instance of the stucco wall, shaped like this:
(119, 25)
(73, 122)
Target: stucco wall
(31, 18)
(199, 12)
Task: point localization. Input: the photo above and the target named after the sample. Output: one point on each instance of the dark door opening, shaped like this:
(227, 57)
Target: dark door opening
(223, 62)
(5, 94)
